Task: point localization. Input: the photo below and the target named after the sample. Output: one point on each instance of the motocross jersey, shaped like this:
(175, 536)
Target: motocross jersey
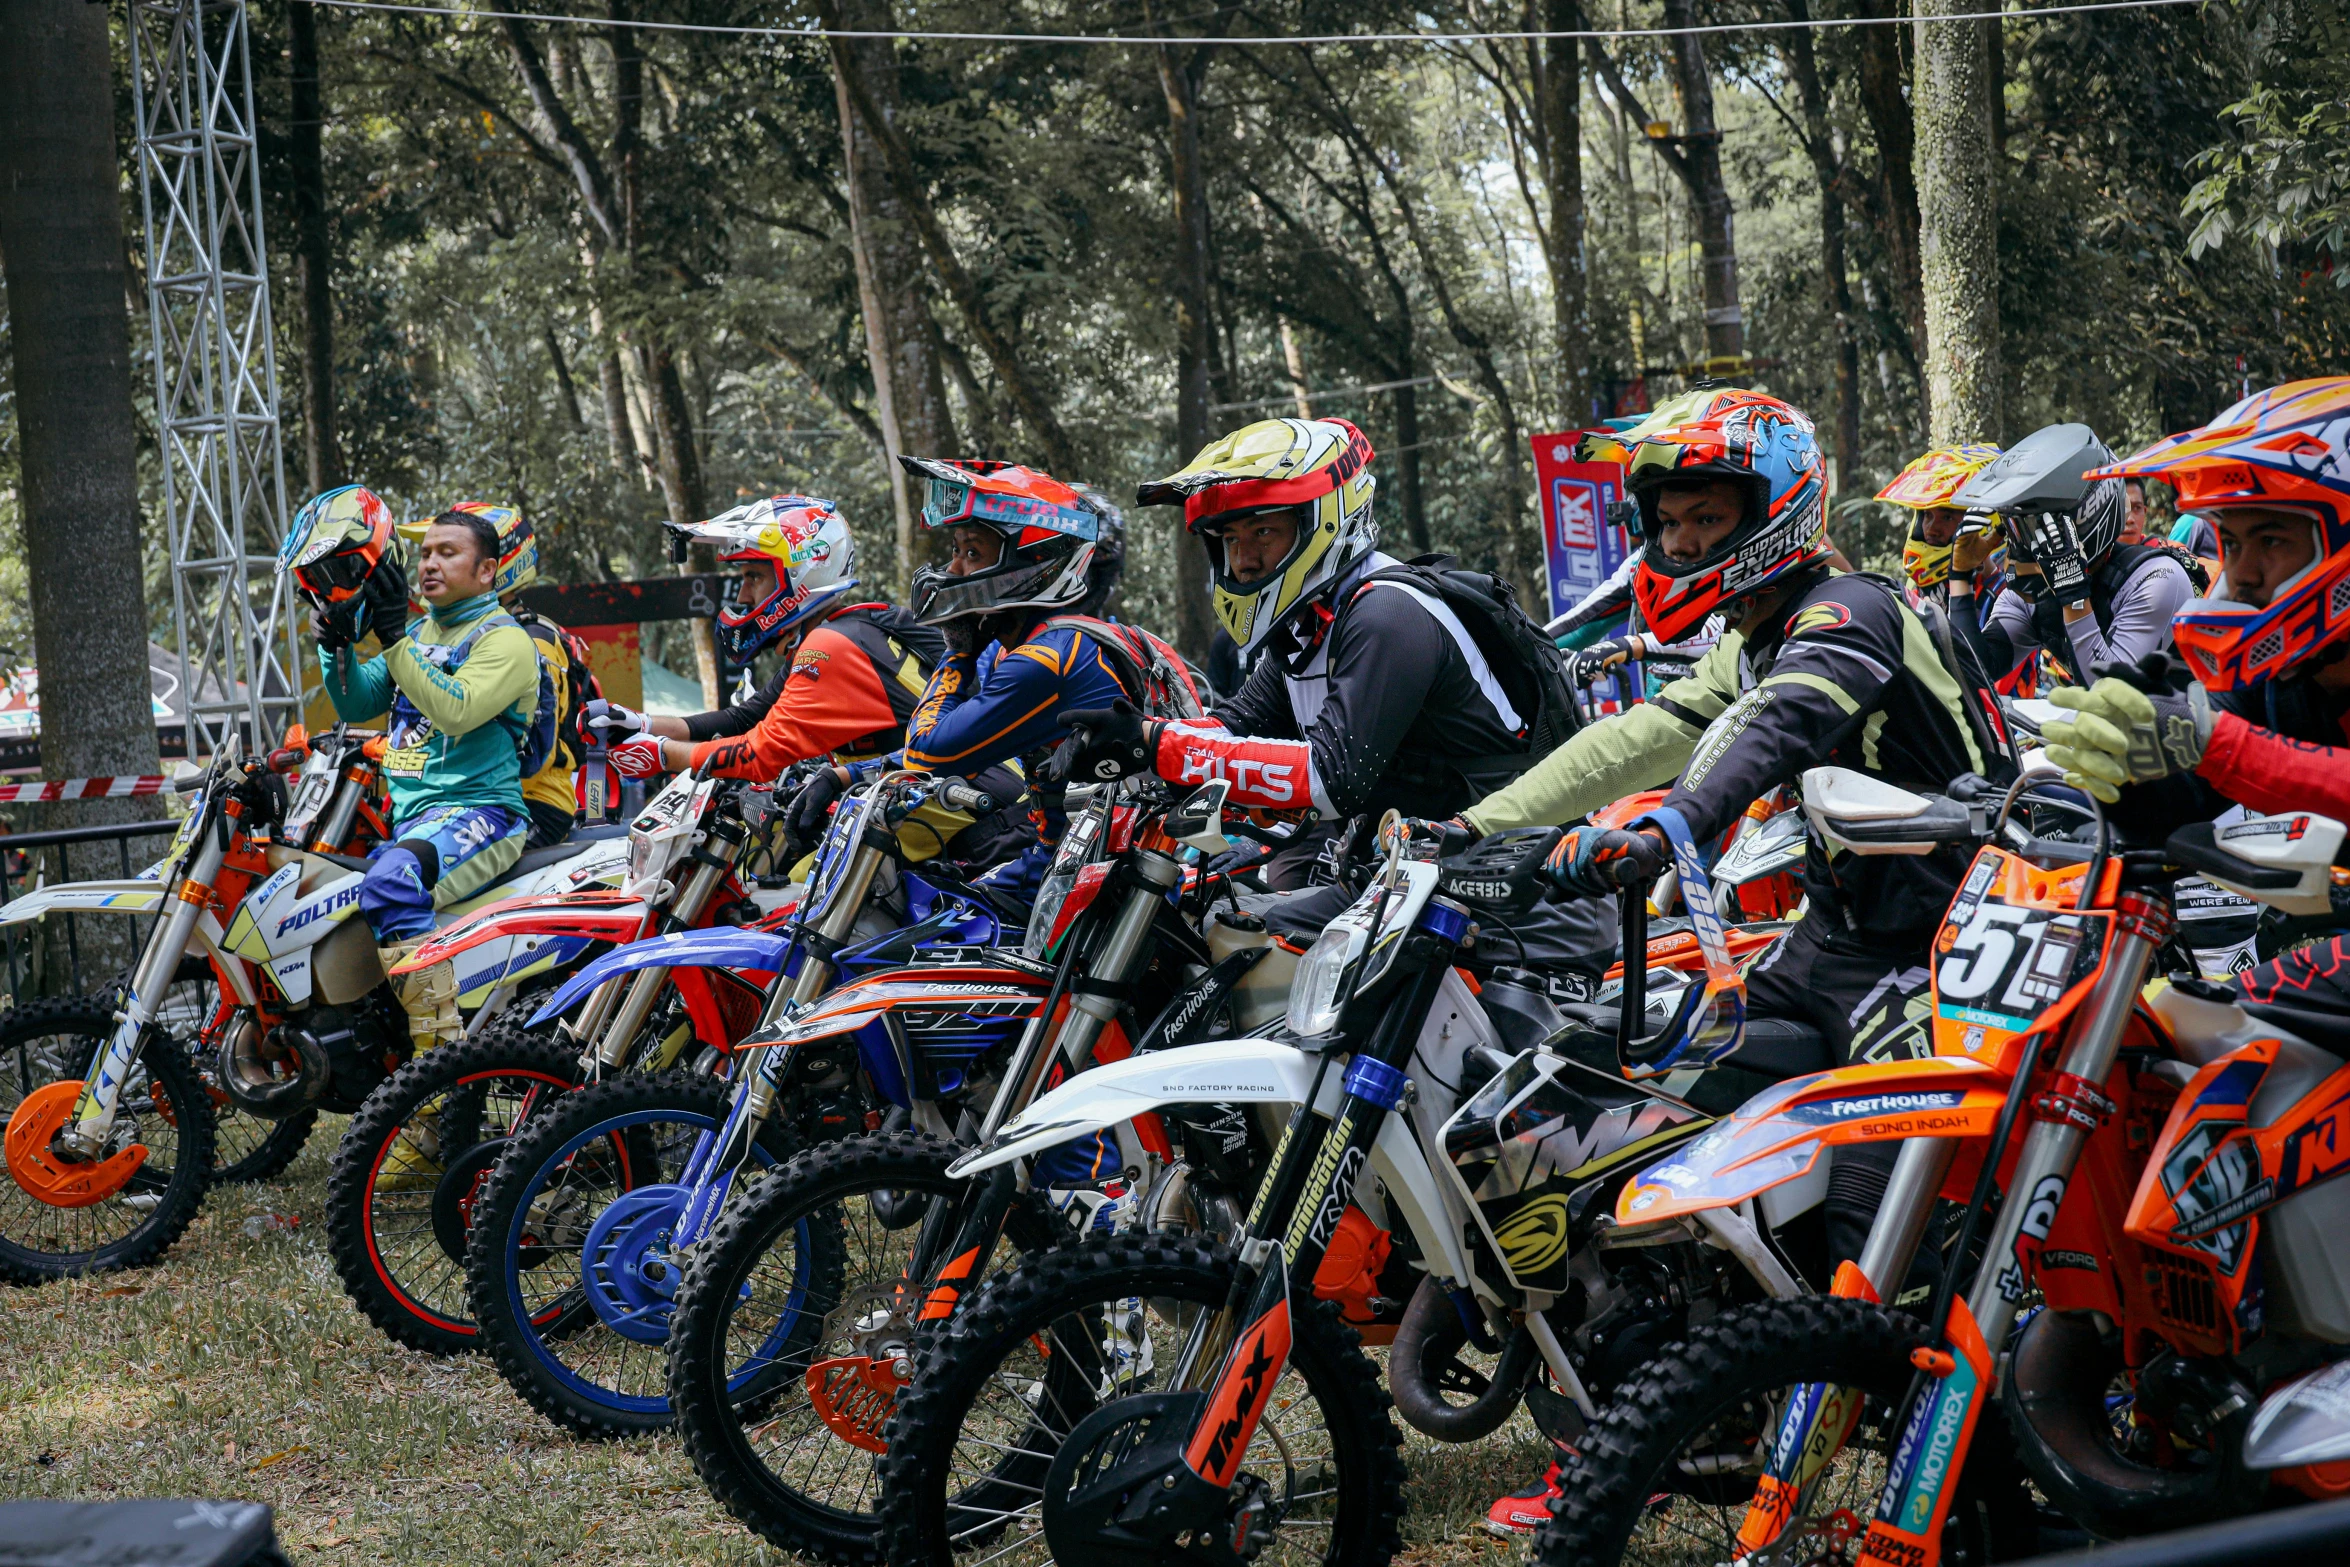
(1388, 702)
(2132, 599)
(452, 739)
(1841, 673)
(847, 690)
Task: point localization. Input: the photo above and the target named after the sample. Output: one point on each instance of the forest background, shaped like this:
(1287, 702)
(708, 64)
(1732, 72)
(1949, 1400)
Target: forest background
(613, 274)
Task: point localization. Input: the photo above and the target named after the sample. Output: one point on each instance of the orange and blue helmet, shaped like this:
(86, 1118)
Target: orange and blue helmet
(1050, 530)
(2283, 450)
(337, 538)
(1755, 441)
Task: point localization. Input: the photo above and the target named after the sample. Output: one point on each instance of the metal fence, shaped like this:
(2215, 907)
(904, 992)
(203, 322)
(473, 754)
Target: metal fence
(48, 951)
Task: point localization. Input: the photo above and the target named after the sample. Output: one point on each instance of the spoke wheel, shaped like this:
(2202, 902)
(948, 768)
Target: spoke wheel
(973, 1441)
(165, 1118)
(245, 1147)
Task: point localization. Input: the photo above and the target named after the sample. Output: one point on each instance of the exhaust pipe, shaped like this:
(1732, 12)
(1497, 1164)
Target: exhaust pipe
(1426, 1347)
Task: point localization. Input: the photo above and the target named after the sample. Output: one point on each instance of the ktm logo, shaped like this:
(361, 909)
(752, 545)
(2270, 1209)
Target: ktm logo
(1535, 1236)
(1819, 617)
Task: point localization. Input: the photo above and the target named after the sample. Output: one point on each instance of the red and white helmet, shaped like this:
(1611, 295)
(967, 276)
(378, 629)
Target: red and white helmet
(813, 553)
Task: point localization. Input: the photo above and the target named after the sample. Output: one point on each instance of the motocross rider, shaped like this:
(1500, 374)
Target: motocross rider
(849, 680)
(2074, 590)
(1364, 692)
(2266, 722)
(1818, 668)
(462, 684)
(1946, 541)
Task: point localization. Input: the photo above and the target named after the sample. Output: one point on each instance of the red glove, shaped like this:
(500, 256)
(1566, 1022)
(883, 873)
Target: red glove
(639, 756)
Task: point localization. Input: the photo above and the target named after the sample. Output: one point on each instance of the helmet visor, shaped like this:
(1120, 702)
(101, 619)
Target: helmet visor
(334, 578)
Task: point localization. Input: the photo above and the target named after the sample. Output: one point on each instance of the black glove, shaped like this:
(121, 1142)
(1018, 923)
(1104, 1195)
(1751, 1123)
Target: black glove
(2052, 545)
(962, 636)
(1105, 743)
(386, 597)
(1596, 660)
(329, 628)
(811, 808)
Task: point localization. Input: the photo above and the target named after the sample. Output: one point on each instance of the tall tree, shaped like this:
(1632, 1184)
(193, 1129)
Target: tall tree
(1822, 146)
(1958, 227)
(893, 284)
(1699, 164)
(1883, 81)
(313, 252)
(1183, 70)
(62, 243)
(1559, 92)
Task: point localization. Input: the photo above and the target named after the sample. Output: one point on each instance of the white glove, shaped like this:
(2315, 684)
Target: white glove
(611, 722)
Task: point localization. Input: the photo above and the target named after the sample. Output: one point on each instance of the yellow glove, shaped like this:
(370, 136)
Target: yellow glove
(2123, 736)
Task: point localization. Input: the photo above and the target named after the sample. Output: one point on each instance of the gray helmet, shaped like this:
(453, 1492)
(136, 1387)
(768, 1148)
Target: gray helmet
(2043, 473)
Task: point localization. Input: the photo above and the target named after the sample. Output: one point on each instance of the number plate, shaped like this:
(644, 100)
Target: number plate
(2005, 955)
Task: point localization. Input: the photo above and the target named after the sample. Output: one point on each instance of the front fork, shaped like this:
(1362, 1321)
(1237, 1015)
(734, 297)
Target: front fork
(85, 1135)
(1922, 1475)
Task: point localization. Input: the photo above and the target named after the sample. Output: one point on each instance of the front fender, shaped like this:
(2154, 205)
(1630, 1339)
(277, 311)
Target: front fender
(721, 946)
(1776, 1136)
(135, 896)
(1228, 1071)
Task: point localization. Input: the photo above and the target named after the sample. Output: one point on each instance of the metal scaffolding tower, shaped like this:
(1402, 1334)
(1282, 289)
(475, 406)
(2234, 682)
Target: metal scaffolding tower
(216, 395)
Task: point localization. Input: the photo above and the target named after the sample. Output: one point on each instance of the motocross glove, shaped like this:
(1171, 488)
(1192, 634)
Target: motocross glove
(2050, 542)
(1596, 660)
(611, 722)
(811, 808)
(333, 632)
(639, 756)
(1595, 861)
(1105, 743)
(2126, 736)
(386, 596)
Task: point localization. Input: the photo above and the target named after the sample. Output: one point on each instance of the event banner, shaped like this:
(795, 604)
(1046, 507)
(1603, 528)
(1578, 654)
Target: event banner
(1580, 547)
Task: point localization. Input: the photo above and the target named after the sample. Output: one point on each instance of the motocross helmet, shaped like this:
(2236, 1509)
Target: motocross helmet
(518, 546)
(1925, 487)
(2048, 471)
(2278, 450)
(807, 542)
(332, 549)
(1050, 532)
(1319, 466)
(1767, 449)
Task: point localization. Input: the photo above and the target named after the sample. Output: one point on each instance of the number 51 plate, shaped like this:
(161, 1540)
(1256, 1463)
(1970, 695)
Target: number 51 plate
(2011, 948)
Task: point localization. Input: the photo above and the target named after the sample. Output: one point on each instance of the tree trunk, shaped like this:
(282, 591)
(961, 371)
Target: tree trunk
(909, 383)
(313, 255)
(1882, 79)
(1559, 91)
(1822, 144)
(1180, 75)
(1407, 459)
(1958, 228)
(62, 242)
(1293, 361)
(1709, 194)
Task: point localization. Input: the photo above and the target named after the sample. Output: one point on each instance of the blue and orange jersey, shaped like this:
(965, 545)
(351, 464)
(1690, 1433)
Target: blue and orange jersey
(1007, 704)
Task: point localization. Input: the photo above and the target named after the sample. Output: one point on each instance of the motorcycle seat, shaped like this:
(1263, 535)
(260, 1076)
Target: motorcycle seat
(1780, 1048)
(539, 860)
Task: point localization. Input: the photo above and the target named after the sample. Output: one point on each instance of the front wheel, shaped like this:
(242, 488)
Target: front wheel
(58, 1219)
(973, 1442)
(1666, 1474)
(849, 1235)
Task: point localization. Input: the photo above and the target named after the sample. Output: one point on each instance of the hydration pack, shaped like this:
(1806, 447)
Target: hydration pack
(1528, 664)
(1156, 677)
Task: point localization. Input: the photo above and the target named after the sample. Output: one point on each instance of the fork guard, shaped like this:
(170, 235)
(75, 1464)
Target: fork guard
(1777, 1136)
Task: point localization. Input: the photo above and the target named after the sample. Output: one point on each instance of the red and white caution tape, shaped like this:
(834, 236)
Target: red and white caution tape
(80, 789)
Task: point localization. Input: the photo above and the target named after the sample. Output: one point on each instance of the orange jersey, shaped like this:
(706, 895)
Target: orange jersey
(834, 700)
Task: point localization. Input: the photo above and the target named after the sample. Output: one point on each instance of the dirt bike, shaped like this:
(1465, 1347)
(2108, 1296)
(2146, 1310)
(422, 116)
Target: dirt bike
(2160, 1298)
(577, 1239)
(1113, 926)
(110, 1131)
(1255, 1422)
(410, 1164)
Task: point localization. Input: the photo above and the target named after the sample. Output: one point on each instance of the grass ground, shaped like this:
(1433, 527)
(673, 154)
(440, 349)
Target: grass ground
(236, 1368)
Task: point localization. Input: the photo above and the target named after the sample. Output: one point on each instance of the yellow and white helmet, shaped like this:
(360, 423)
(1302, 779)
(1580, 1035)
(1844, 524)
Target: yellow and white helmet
(1318, 467)
(1928, 485)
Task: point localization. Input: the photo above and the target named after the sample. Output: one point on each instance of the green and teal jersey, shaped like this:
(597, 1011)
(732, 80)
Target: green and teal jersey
(452, 739)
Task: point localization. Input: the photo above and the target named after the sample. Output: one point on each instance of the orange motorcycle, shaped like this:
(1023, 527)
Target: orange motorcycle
(2155, 1285)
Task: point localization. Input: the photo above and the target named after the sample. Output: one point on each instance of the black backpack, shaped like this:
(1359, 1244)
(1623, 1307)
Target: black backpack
(1528, 664)
(1160, 680)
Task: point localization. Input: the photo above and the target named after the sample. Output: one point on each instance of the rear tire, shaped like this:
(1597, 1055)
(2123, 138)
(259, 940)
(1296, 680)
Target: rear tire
(164, 1108)
(1628, 1496)
(391, 1212)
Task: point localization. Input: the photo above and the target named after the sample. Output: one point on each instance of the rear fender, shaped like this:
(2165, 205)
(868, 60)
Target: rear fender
(596, 916)
(134, 896)
(721, 946)
(1776, 1137)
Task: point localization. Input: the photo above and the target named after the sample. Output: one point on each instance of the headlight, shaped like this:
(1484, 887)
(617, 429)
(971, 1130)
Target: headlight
(1047, 909)
(1313, 992)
